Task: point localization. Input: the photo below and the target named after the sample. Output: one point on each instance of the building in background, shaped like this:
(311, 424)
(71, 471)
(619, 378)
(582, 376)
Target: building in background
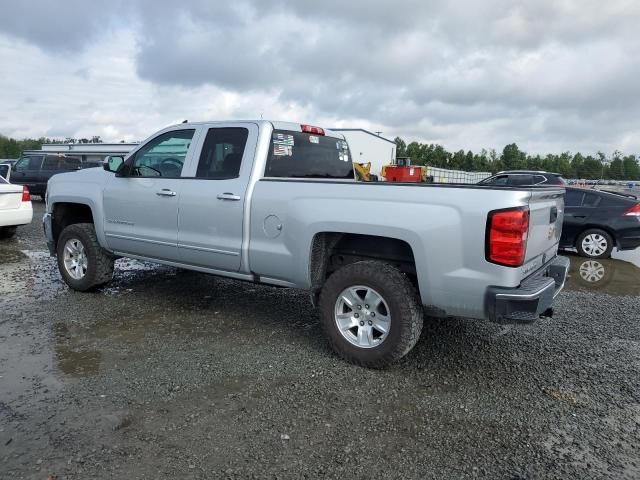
(366, 147)
(88, 152)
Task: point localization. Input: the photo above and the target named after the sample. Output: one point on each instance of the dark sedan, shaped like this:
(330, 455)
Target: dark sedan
(595, 222)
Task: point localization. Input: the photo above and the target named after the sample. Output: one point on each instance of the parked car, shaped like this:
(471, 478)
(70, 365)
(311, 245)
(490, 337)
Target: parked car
(15, 207)
(596, 222)
(34, 171)
(277, 203)
(524, 178)
(5, 171)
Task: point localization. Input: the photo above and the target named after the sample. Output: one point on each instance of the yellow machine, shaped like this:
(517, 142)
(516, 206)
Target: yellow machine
(363, 172)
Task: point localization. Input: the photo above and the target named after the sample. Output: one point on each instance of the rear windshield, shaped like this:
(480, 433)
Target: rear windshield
(303, 155)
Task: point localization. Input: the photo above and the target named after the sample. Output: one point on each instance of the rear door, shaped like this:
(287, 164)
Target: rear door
(211, 204)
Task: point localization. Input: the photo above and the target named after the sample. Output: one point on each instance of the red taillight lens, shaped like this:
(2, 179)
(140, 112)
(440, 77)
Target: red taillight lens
(507, 236)
(26, 196)
(633, 211)
(312, 129)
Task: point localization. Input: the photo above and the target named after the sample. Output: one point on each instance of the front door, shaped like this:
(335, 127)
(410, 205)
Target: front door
(27, 172)
(141, 201)
(212, 202)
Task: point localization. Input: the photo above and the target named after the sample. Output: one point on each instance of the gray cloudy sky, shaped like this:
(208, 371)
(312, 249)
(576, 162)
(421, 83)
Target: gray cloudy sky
(551, 75)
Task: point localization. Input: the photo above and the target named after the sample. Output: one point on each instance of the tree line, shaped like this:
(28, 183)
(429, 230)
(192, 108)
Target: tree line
(12, 148)
(615, 167)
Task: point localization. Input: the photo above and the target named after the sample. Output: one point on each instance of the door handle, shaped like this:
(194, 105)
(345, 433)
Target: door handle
(228, 196)
(165, 192)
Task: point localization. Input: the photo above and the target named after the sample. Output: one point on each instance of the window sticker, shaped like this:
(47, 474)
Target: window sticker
(283, 139)
(313, 139)
(343, 150)
(282, 150)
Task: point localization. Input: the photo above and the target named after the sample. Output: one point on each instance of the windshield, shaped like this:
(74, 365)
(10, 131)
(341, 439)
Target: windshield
(303, 155)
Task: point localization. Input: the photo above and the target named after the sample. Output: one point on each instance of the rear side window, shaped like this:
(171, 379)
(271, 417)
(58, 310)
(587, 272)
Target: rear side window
(302, 155)
(590, 200)
(4, 171)
(222, 153)
(521, 180)
(573, 198)
(2, 180)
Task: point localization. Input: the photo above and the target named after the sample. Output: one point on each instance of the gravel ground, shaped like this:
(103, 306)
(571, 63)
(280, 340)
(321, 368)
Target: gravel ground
(172, 374)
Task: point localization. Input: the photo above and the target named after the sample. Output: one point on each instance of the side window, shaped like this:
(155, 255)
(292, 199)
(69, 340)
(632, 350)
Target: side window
(28, 163)
(539, 180)
(500, 180)
(70, 163)
(520, 180)
(163, 156)
(222, 153)
(51, 162)
(573, 198)
(590, 200)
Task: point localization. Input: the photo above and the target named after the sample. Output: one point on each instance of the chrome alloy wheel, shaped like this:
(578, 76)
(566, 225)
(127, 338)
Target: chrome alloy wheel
(75, 259)
(362, 316)
(594, 244)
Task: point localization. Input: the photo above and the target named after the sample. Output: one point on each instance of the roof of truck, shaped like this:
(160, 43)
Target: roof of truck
(277, 125)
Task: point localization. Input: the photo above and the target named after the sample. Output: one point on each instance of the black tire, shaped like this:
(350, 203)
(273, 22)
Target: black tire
(7, 232)
(405, 311)
(99, 261)
(606, 253)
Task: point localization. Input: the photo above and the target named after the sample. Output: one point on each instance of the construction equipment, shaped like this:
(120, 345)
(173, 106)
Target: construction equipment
(363, 172)
(401, 170)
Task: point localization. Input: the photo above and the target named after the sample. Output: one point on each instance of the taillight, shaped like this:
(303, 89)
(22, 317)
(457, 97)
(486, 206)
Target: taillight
(633, 211)
(312, 129)
(26, 196)
(507, 233)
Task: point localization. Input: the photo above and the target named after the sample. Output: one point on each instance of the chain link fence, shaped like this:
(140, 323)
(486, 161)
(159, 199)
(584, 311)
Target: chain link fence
(442, 175)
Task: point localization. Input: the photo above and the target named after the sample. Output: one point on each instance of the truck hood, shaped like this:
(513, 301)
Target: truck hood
(87, 175)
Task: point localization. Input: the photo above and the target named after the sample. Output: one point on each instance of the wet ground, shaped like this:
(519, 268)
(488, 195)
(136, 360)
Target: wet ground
(172, 374)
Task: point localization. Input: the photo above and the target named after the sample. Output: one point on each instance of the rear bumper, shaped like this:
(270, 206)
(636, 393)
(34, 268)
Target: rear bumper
(525, 304)
(48, 233)
(16, 216)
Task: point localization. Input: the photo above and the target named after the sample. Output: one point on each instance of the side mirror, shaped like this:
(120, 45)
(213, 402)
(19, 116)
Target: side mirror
(113, 163)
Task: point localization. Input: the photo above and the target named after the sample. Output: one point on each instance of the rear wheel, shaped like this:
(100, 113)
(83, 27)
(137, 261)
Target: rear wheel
(371, 313)
(82, 262)
(594, 243)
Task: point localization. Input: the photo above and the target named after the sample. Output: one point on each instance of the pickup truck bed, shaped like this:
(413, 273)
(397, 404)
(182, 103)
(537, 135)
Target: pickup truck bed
(281, 206)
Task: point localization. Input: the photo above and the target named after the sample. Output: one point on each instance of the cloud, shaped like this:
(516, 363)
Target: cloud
(551, 75)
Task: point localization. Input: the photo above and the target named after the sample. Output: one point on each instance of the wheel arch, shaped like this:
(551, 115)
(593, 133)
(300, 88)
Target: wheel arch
(69, 213)
(331, 250)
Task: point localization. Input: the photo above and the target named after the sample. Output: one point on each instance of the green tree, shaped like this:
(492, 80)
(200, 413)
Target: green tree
(631, 168)
(401, 147)
(513, 158)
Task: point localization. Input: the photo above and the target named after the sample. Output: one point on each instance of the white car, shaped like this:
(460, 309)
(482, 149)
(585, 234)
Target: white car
(15, 207)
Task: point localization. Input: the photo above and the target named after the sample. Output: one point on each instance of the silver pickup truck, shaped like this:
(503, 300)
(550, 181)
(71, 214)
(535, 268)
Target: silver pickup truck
(277, 203)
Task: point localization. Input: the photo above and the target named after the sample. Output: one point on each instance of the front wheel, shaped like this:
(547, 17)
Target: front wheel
(594, 243)
(371, 313)
(82, 262)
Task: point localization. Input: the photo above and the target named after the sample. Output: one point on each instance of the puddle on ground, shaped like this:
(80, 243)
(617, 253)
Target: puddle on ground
(619, 275)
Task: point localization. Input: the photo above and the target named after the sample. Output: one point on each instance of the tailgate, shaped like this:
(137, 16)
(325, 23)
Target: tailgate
(10, 196)
(546, 211)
